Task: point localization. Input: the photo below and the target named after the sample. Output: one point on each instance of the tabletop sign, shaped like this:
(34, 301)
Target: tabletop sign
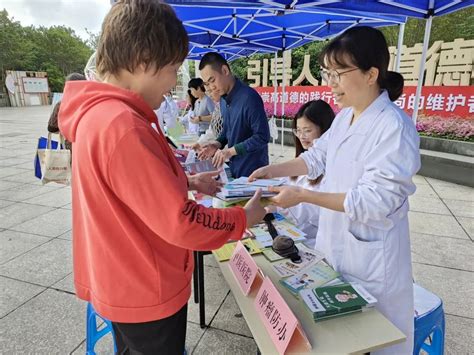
(280, 322)
(243, 267)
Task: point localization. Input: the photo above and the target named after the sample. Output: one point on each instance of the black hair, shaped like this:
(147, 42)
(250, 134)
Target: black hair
(318, 112)
(364, 47)
(75, 76)
(53, 118)
(193, 99)
(196, 83)
(321, 114)
(215, 60)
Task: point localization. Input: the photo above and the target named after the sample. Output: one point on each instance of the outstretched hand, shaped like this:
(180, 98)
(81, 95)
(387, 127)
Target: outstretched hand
(220, 157)
(287, 196)
(261, 173)
(206, 151)
(254, 210)
(205, 183)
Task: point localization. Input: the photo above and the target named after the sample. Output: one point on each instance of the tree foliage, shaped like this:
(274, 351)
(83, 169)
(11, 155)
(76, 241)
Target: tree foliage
(56, 50)
(444, 28)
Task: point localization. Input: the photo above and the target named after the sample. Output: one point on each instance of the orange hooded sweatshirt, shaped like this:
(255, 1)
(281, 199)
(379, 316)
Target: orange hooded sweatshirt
(133, 225)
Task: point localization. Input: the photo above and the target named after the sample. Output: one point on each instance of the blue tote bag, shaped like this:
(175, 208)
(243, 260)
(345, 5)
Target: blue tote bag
(42, 144)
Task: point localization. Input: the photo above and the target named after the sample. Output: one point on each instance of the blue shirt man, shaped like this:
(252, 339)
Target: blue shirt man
(245, 128)
(246, 132)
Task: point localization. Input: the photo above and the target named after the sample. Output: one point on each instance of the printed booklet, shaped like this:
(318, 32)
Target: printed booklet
(333, 301)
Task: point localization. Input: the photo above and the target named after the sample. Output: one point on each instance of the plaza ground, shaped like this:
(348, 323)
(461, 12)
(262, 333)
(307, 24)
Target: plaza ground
(39, 313)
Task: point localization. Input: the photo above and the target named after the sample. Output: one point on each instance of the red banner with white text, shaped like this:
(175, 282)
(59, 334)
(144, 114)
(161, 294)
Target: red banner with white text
(443, 101)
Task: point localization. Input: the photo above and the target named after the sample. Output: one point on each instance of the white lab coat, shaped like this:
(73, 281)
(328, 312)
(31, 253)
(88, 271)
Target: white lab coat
(373, 162)
(188, 125)
(304, 215)
(167, 113)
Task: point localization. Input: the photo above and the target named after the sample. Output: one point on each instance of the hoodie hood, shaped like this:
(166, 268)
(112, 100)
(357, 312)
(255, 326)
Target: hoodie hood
(80, 96)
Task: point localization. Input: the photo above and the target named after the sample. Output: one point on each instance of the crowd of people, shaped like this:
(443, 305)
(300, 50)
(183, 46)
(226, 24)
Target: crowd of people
(134, 228)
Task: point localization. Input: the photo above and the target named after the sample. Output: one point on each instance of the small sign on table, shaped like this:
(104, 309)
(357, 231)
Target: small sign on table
(244, 268)
(280, 322)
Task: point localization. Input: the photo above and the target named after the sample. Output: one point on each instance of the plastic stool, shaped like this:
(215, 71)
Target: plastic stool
(429, 322)
(93, 334)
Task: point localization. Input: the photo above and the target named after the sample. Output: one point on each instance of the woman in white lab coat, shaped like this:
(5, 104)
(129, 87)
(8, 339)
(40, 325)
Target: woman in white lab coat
(311, 121)
(185, 120)
(167, 113)
(368, 158)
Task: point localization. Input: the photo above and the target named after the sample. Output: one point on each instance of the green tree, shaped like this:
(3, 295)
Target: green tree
(446, 28)
(16, 50)
(93, 39)
(56, 50)
(60, 48)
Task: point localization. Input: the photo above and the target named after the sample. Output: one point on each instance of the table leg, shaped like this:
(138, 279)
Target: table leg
(202, 302)
(196, 277)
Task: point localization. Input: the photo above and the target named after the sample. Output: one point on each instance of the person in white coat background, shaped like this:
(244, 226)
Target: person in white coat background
(167, 113)
(185, 120)
(368, 157)
(311, 121)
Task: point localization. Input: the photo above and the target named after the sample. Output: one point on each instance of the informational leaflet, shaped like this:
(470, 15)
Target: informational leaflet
(316, 275)
(308, 256)
(271, 255)
(225, 252)
(282, 226)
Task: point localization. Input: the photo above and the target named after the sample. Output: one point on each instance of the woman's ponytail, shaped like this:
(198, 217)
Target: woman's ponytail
(393, 83)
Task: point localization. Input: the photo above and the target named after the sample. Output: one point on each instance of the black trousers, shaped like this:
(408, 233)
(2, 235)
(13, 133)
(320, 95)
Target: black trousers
(161, 337)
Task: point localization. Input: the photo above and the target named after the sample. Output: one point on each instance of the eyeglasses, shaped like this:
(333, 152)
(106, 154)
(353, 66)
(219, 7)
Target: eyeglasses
(300, 134)
(334, 75)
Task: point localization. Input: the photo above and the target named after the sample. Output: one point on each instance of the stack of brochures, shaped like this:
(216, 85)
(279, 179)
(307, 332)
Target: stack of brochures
(316, 275)
(242, 188)
(338, 300)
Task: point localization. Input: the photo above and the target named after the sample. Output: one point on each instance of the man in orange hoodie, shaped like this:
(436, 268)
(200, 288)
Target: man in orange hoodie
(133, 225)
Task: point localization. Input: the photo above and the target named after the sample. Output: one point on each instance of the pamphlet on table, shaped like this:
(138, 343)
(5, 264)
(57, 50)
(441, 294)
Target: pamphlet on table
(333, 301)
(316, 275)
(309, 257)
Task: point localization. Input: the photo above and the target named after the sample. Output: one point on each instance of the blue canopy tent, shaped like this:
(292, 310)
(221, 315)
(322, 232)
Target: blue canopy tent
(244, 29)
(409, 8)
(426, 9)
(265, 29)
(196, 52)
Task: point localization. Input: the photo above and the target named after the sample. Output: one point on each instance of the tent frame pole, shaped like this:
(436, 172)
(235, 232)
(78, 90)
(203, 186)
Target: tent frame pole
(421, 75)
(275, 95)
(401, 33)
(283, 103)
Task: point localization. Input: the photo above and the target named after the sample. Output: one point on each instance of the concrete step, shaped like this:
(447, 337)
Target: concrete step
(458, 169)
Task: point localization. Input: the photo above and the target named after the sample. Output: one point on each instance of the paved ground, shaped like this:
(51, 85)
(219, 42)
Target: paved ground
(39, 313)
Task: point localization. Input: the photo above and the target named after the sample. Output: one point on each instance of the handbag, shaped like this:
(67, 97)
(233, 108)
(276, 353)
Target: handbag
(54, 161)
(42, 144)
